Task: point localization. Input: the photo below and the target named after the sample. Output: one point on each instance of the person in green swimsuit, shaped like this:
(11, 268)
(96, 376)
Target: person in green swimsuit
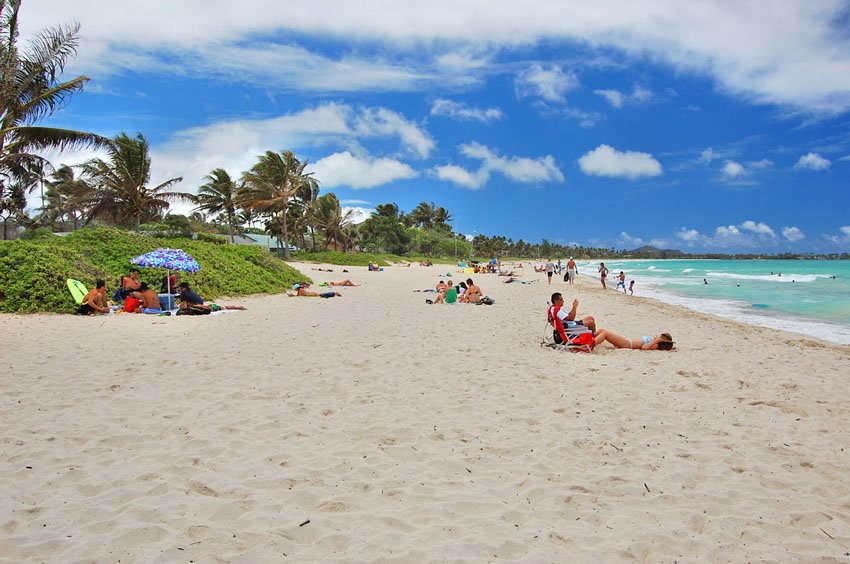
(450, 295)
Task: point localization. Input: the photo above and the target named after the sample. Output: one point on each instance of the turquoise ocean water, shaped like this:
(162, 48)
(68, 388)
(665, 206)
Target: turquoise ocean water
(806, 296)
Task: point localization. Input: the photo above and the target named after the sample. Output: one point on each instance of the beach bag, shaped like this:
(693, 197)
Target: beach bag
(487, 300)
(567, 276)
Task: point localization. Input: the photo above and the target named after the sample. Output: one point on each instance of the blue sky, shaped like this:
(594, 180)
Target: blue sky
(703, 126)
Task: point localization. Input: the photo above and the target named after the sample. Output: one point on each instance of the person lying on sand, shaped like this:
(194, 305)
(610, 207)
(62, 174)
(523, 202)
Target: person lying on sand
(302, 291)
(323, 269)
(95, 301)
(188, 297)
(663, 342)
(345, 282)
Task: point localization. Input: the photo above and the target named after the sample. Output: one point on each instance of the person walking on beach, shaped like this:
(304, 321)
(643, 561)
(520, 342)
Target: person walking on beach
(550, 269)
(621, 281)
(603, 274)
(572, 270)
(632, 288)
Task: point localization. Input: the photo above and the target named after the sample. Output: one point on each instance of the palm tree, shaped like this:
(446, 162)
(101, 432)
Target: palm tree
(441, 216)
(424, 215)
(30, 90)
(218, 196)
(67, 197)
(332, 220)
(271, 184)
(122, 191)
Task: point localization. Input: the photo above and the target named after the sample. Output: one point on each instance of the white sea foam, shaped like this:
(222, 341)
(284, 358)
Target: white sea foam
(768, 277)
(745, 313)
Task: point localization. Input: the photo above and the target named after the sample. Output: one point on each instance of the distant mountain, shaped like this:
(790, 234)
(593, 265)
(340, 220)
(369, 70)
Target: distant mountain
(649, 250)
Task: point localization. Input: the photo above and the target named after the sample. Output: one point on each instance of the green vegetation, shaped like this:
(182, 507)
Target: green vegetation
(33, 272)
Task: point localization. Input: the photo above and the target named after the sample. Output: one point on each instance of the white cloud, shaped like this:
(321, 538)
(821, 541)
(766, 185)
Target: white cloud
(793, 234)
(235, 144)
(614, 97)
(464, 112)
(732, 170)
(551, 84)
(350, 202)
(519, 169)
(843, 236)
(707, 155)
(630, 240)
(462, 177)
(744, 50)
(358, 214)
(639, 95)
(812, 161)
(846, 158)
(689, 235)
(607, 161)
(344, 169)
(749, 234)
(381, 122)
(758, 228)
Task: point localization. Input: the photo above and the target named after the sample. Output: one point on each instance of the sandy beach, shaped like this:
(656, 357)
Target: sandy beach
(377, 427)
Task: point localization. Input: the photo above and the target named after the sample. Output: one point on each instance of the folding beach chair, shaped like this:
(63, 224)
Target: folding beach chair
(570, 337)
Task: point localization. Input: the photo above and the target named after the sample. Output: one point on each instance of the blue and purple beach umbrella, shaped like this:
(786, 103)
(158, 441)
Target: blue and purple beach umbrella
(169, 259)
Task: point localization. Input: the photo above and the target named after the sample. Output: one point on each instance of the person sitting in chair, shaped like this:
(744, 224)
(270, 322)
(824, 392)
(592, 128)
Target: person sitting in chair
(568, 318)
(130, 283)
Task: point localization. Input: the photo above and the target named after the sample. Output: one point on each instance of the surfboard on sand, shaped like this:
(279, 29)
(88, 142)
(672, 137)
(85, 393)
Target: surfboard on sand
(78, 290)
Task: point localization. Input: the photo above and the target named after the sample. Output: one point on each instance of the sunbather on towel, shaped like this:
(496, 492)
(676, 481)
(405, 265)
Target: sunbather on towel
(663, 342)
(188, 297)
(302, 291)
(345, 282)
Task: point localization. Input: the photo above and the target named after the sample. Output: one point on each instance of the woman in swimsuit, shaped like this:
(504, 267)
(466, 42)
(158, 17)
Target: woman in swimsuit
(663, 342)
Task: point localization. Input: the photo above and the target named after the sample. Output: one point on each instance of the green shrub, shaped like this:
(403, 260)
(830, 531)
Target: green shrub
(33, 273)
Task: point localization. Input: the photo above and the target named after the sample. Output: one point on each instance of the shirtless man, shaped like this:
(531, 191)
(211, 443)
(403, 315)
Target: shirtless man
(572, 269)
(441, 287)
(473, 293)
(149, 299)
(95, 300)
(131, 283)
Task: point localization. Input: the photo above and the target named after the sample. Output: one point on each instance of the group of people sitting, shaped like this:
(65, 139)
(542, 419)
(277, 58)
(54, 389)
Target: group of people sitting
(138, 297)
(465, 293)
(566, 325)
